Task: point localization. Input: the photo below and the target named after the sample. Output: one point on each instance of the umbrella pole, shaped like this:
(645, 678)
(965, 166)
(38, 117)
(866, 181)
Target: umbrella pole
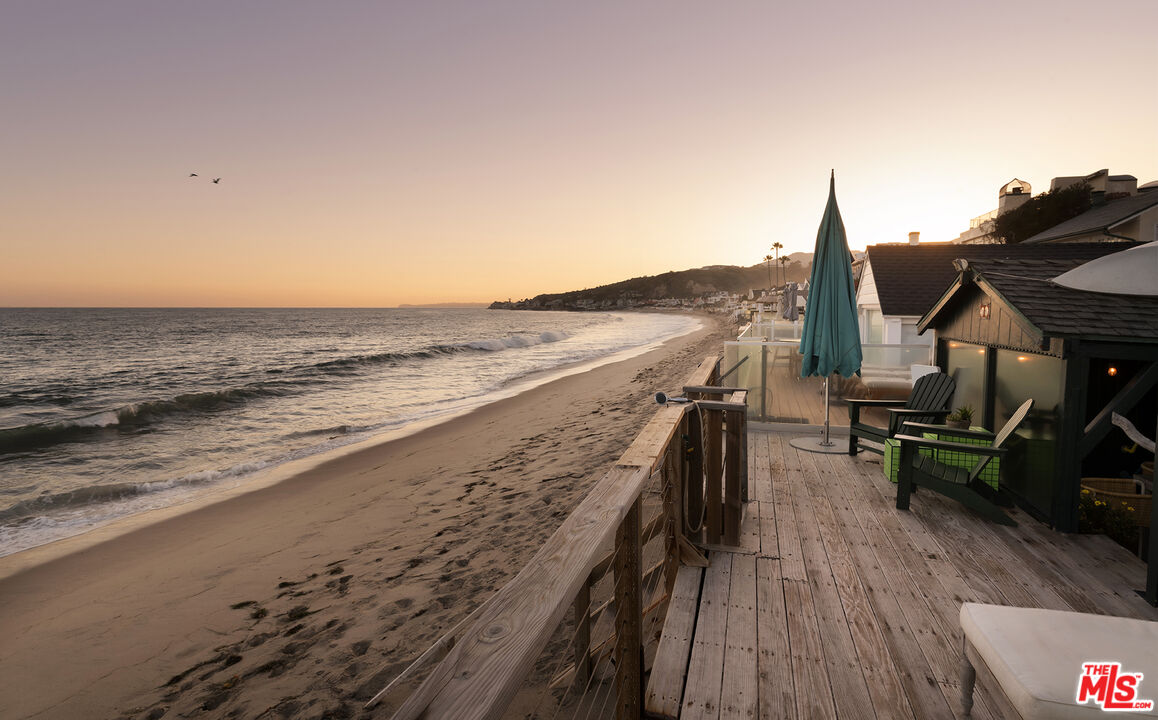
(825, 442)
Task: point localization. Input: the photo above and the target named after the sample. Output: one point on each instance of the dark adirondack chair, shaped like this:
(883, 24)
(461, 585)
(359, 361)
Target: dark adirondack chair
(958, 483)
(928, 402)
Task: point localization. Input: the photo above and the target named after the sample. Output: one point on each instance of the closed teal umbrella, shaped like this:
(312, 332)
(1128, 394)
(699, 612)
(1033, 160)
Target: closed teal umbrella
(830, 339)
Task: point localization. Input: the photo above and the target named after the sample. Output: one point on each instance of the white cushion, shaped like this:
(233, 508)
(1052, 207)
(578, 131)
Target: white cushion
(1037, 655)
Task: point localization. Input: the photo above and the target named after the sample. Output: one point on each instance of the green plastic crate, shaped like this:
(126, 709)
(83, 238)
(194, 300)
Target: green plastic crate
(892, 461)
(989, 475)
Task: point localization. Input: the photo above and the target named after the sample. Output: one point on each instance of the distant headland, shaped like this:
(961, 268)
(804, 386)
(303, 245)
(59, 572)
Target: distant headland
(444, 305)
(671, 289)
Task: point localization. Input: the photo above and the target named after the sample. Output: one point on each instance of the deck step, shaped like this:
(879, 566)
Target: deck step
(666, 685)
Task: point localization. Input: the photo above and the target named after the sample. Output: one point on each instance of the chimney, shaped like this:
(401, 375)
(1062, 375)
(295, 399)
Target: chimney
(914, 238)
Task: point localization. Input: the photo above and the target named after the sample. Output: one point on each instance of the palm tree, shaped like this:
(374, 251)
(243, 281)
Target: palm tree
(783, 264)
(768, 264)
(776, 248)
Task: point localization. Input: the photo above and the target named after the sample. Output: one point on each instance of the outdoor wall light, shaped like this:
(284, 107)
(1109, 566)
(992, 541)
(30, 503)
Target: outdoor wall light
(1111, 371)
(1022, 358)
(983, 311)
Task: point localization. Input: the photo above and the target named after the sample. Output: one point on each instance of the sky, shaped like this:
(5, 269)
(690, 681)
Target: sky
(378, 153)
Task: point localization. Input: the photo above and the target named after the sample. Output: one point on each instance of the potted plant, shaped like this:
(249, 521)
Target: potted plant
(961, 418)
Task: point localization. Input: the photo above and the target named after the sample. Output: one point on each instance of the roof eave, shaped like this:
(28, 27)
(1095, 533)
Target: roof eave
(1030, 329)
(1077, 233)
(986, 287)
(946, 296)
(1104, 229)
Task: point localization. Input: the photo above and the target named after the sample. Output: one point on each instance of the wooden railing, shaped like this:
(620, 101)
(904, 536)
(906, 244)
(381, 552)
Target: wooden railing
(697, 449)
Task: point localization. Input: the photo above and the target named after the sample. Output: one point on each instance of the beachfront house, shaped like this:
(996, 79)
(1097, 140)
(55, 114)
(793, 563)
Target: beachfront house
(1121, 211)
(1010, 196)
(901, 282)
(1006, 332)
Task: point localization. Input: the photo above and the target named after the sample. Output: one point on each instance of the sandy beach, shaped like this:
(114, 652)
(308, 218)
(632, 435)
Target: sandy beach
(304, 598)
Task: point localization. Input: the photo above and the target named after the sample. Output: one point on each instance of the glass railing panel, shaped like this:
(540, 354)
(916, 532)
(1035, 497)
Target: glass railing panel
(770, 371)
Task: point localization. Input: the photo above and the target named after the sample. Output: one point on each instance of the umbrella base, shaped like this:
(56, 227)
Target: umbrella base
(816, 445)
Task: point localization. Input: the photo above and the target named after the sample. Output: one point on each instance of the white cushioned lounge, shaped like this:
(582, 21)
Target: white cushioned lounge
(1036, 657)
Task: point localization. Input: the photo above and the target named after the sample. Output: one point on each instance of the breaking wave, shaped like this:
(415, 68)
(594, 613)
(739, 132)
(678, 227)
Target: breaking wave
(97, 494)
(131, 418)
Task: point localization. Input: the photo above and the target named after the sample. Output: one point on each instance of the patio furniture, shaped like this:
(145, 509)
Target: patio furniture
(1036, 656)
(929, 401)
(962, 484)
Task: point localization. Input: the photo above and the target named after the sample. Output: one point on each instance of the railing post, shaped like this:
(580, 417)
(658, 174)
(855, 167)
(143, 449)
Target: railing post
(628, 617)
(714, 469)
(583, 632)
(694, 484)
(763, 381)
(733, 508)
(673, 503)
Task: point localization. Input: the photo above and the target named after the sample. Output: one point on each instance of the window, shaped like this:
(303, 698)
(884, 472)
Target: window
(965, 363)
(874, 326)
(1029, 468)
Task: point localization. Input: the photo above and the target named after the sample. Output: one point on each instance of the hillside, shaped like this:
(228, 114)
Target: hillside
(683, 285)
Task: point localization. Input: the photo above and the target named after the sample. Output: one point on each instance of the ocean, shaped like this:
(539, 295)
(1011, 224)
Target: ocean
(106, 413)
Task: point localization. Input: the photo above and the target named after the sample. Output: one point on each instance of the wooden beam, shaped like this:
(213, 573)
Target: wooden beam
(714, 470)
(1151, 593)
(742, 420)
(1067, 480)
(648, 448)
(733, 507)
(1123, 402)
(694, 472)
(988, 406)
(628, 618)
(705, 372)
(583, 632)
(654, 527)
(721, 406)
(712, 389)
(666, 685)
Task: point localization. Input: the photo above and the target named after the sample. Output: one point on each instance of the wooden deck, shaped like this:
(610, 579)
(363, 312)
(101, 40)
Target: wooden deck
(838, 605)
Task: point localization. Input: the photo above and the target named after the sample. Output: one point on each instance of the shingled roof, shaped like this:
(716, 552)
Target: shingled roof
(1098, 219)
(911, 278)
(1058, 311)
(1026, 284)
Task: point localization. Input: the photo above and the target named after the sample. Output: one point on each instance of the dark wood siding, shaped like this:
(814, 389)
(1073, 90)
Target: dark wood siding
(1004, 328)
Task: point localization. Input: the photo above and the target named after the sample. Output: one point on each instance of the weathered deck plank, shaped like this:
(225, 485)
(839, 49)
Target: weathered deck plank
(777, 699)
(845, 672)
(787, 534)
(884, 686)
(666, 685)
(856, 603)
(809, 674)
(913, 669)
(750, 529)
(763, 467)
(739, 694)
(705, 668)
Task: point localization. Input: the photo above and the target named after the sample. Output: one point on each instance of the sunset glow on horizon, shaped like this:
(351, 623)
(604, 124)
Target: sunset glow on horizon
(374, 154)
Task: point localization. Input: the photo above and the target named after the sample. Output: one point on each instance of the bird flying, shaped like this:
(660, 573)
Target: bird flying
(192, 174)
(216, 180)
